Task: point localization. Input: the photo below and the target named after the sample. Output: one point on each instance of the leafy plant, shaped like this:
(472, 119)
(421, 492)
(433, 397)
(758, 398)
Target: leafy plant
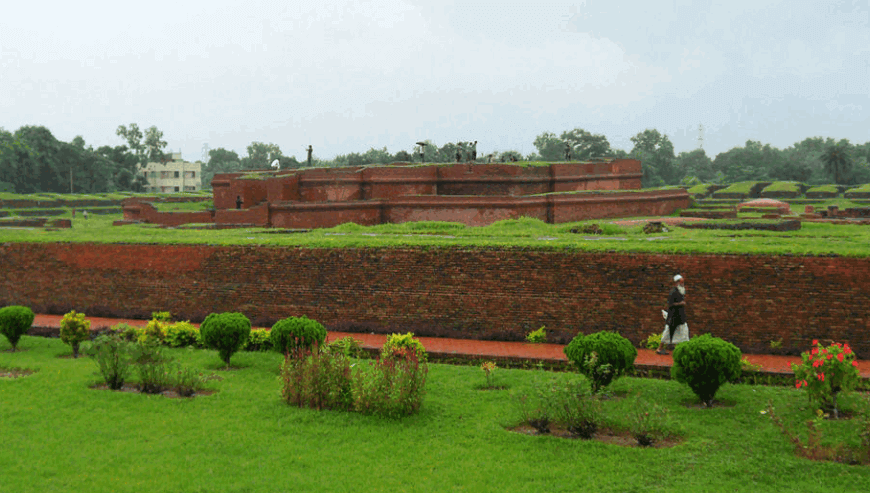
(125, 331)
(537, 336)
(259, 340)
(653, 341)
(704, 363)
(746, 365)
(225, 332)
(186, 381)
(393, 386)
(15, 321)
(317, 379)
(489, 368)
(348, 346)
(825, 372)
(162, 316)
(182, 334)
(114, 356)
(292, 334)
(647, 422)
(776, 344)
(614, 355)
(397, 343)
(535, 412)
(814, 448)
(153, 333)
(152, 366)
(579, 410)
(74, 329)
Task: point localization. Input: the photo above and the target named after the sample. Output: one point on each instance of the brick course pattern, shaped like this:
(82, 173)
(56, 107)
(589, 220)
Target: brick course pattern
(495, 294)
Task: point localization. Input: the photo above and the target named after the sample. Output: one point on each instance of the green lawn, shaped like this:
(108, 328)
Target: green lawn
(61, 435)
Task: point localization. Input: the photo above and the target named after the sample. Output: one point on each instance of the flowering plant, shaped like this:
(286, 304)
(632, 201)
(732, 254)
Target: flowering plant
(825, 372)
(489, 368)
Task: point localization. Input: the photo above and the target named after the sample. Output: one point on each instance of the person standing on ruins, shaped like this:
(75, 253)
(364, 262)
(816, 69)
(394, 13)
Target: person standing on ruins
(676, 328)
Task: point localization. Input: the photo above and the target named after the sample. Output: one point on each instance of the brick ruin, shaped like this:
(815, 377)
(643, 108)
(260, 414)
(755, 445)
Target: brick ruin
(472, 194)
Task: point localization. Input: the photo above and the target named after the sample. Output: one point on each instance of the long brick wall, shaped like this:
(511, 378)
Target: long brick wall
(495, 294)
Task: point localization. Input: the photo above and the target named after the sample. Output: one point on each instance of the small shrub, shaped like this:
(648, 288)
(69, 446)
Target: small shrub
(162, 316)
(15, 321)
(393, 386)
(74, 329)
(259, 340)
(182, 334)
(348, 346)
(614, 355)
(397, 343)
(535, 412)
(186, 382)
(647, 422)
(126, 332)
(579, 410)
(153, 333)
(225, 332)
(704, 363)
(748, 366)
(152, 365)
(826, 372)
(290, 335)
(653, 341)
(814, 449)
(114, 356)
(537, 336)
(319, 380)
(489, 368)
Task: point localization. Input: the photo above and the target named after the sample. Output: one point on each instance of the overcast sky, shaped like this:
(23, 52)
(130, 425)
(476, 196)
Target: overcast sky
(348, 76)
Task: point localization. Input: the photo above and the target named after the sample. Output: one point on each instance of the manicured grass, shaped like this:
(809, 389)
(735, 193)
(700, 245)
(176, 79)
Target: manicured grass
(823, 188)
(61, 435)
(863, 188)
(739, 187)
(783, 186)
(183, 206)
(524, 233)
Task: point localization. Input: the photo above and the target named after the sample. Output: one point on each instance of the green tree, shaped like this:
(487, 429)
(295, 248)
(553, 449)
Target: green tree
(147, 147)
(16, 162)
(656, 154)
(125, 168)
(838, 159)
(584, 145)
(260, 155)
(695, 164)
(220, 160)
(550, 147)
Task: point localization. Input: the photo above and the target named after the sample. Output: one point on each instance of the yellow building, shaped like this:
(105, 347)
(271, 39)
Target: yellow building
(173, 176)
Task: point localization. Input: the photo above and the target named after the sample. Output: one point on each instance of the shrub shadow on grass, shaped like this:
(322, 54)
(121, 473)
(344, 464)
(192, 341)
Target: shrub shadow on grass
(694, 403)
(132, 388)
(12, 373)
(612, 436)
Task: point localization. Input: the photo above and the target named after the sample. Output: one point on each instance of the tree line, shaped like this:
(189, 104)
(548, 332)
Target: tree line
(32, 160)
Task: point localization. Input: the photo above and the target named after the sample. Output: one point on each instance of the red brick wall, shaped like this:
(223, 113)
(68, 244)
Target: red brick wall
(581, 207)
(258, 215)
(493, 179)
(484, 293)
(399, 181)
(330, 184)
(143, 211)
(325, 214)
(473, 211)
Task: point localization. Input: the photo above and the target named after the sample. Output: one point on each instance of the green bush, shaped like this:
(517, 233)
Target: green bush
(348, 346)
(400, 344)
(74, 329)
(127, 332)
(295, 334)
(259, 340)
(537, 336)
(15, 321)
(114, 356)
(652, 342)
(704, 363)
(602, 357)
(182, 334)
(392, 386)
(162, 316)
(153, 333)
(225, 332)
(320, 380)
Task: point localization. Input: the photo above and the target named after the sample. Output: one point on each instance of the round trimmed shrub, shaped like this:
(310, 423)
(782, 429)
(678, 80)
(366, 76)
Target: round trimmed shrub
(294, 334)
(602, 357)
(15, 321)
(704, 363)
(181, 334)
(225, 332)
(74, 329)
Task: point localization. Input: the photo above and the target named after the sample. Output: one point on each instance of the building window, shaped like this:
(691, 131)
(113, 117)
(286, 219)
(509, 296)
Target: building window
(190, 174)
(176, 189)
(164, 189)
(165, 174)
(176, 174)
(153, 174)
(189, 189)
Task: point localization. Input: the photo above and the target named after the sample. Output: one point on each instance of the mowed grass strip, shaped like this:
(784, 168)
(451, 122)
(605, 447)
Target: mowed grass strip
(61, 435)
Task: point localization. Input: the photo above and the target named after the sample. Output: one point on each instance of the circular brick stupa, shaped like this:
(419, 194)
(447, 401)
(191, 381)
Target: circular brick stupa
(782, 207)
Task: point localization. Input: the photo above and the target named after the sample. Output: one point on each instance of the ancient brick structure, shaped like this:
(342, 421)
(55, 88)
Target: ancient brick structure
(473, 194)
(485, 293)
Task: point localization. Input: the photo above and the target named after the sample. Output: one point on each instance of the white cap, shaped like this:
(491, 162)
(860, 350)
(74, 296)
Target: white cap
(678, 278)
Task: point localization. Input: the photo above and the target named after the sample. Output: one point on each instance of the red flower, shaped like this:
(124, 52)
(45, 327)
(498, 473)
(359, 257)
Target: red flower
(815, 351)
(840, 357)
(797, 385)
(847, 349)
(815, 342)
(830, 355)
(821, 377)
(855, 364)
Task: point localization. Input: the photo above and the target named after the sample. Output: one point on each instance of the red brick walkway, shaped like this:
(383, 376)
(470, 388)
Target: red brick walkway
(473, 349)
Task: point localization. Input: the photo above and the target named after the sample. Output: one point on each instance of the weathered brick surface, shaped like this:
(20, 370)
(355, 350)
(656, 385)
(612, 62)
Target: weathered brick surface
(495, 294)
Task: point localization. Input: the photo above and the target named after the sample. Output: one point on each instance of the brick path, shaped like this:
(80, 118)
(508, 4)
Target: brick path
(551, 354)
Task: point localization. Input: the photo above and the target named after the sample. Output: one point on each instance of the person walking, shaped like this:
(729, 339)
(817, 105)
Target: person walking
(676, 327)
